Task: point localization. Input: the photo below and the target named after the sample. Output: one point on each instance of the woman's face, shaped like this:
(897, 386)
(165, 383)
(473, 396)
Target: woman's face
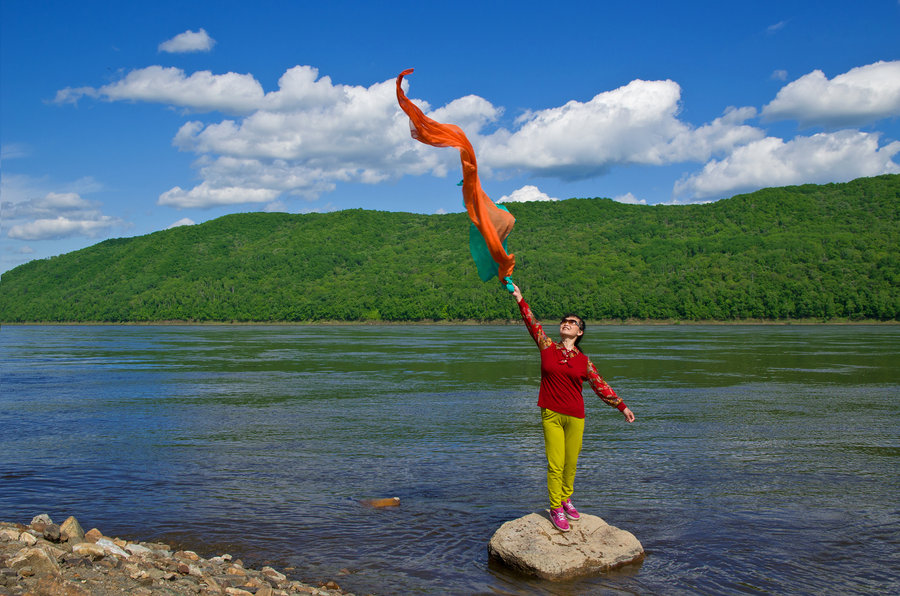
(570, 326)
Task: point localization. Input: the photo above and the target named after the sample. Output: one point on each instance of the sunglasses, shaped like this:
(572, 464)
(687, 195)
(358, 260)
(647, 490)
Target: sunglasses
(570, 322)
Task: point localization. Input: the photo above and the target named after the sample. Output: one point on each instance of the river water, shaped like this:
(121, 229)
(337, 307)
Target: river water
(763, 458)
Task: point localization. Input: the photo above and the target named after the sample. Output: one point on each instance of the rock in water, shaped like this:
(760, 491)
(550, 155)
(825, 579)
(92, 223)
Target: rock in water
(532, 545)
(381, 503)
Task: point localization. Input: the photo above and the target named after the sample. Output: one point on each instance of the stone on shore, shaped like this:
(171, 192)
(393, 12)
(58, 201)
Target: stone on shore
(71, 530)
(89, 549)
(532, 545)
(36, 559)
(93, 535)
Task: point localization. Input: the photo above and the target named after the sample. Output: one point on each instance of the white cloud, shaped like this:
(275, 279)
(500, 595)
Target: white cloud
(308, 136)
(201, 91)
(204, 195)
(526, 193)
(184, 221)
(821, 158)
(583, 139)
(311, 134)
(629, 199)
(859, 96)
(60, 227)
(45, 206)
(189, 41)
(276, 207)
(73, 94)
(20, 188)
(719, 137)
(471, 113)
(779, 75)
(634, 124)
(776, 27)
(53, 216)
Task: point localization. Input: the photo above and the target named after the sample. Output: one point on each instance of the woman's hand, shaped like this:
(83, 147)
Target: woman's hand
(629, 415)
(517, 293)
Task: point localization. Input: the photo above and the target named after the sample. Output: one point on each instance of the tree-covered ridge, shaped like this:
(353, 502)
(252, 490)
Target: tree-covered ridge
(812, 251)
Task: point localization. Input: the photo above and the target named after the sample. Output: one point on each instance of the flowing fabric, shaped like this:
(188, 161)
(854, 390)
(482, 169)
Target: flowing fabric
(484, 262)
(493, 223)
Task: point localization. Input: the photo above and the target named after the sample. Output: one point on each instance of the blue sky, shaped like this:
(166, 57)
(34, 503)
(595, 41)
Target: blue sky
(121, 119)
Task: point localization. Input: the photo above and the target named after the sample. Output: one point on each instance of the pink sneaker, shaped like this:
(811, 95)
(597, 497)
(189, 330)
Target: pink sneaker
(570, 510)
(558, 517)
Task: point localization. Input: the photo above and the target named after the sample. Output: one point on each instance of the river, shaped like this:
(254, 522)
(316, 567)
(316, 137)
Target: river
(763, 458)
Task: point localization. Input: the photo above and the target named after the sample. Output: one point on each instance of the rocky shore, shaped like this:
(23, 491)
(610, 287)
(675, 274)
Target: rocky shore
(44, 558)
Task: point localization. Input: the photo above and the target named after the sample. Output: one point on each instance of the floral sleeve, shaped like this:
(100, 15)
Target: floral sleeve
(602, 389)
(534, 327)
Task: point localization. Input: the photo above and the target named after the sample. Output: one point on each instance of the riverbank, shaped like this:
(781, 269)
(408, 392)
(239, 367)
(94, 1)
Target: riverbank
(466, 323)
(61, 559)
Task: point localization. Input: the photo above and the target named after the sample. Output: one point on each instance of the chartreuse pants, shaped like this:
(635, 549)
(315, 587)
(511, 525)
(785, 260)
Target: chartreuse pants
(562, 441)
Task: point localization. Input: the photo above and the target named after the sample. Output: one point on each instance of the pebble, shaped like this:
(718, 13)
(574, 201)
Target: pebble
(45, 558)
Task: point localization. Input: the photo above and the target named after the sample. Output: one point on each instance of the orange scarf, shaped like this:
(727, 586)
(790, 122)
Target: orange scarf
(493, 223)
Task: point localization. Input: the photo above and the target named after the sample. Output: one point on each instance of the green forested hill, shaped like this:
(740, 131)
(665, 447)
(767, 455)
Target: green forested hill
(812, 251)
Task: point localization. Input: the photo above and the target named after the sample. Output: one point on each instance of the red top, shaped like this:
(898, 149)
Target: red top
(563, 373)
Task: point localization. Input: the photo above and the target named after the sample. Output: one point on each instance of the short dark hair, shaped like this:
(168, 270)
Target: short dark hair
(581, 326)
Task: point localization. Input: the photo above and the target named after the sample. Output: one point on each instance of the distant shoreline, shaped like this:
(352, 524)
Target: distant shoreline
(466, 323)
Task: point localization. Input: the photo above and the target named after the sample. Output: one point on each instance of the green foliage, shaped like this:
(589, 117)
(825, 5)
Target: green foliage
(821, 252)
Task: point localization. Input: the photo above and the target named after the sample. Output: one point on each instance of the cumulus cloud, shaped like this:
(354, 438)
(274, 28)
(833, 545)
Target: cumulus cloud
(310, 134)
(471, 113)
(53, 216)
(859, 96)
(719, 137)
(201, 91)
(634, 124)
(60, 227)
(20, 188)
(48, 205)
(305, 138)
(630, 199)
(189, 41)
(524, 194)
(204, 195)
(184, 221)
(821, 158)
(583, 139)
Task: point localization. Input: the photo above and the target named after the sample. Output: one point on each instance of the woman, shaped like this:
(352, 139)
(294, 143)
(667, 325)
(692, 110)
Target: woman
(564, 369)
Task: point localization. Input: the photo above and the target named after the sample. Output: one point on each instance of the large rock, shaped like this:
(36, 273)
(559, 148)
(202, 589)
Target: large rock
(72, 530)
(532, 545)
(37, 559)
